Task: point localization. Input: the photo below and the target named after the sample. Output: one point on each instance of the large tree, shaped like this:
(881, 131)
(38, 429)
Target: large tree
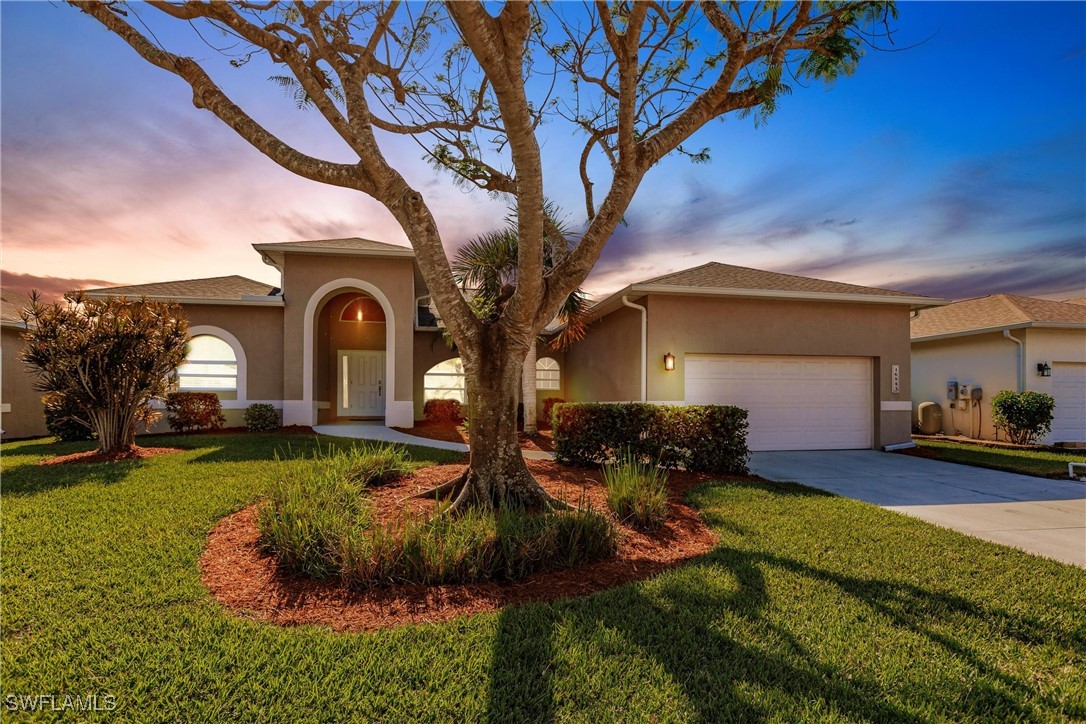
(474, 83)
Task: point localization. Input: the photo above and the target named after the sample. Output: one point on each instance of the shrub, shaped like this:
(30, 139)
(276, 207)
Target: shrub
(1024, 416)
(548, 408)
(702, 438)
(63, 422)
(104, 360)
(315, 504)
(637, 491)
(442, 410)
(194, 411)
(261, 417)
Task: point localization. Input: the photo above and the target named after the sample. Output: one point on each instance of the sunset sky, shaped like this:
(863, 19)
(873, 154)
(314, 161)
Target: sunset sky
(955, 168)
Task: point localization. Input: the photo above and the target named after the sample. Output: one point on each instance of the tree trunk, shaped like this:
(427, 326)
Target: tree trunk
(527, 391)
(116, 430)
(496, 473)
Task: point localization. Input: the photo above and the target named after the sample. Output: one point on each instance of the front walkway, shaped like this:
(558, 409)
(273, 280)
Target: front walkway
(1038, 515)
(378, 432)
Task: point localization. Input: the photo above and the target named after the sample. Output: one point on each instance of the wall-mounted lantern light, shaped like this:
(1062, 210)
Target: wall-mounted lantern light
(1043, 370)
(669, 361)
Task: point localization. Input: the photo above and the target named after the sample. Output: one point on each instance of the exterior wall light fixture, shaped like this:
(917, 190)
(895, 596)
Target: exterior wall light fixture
(1043, 370)
(669, 361)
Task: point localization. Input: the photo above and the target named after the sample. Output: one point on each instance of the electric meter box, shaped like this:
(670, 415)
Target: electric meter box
(952, 390)
(963, 392)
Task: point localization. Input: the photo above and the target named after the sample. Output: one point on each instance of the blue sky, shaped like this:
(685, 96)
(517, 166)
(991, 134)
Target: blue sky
(956, 167)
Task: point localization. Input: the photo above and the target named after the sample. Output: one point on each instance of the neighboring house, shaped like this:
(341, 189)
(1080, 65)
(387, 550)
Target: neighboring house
(350, 333)
(1002, 342)
(21, 412)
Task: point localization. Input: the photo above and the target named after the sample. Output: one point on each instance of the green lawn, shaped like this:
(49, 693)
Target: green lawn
(812, 606)
(1043, 463)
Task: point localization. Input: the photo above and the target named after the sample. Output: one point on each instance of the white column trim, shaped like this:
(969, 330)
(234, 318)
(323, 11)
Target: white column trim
(239, 353)
(306, 409)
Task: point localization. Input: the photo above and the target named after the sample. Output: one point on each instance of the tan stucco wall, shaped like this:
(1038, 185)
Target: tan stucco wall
(303, 275)
(991, 361)
(26, 418)
(259, 330)
(605, 366)
(705, 325)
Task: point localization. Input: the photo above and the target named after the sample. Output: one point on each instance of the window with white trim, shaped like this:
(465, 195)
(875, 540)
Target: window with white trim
(547, 374)
(209, 366)
(445, 381)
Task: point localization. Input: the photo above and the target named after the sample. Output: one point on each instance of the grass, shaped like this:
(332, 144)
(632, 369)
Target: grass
(811, 607)
(317, 503)
(637, 491)
(318, 521)
(1042, 463)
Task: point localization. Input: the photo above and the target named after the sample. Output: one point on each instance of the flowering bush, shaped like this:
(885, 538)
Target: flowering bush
(194, 411)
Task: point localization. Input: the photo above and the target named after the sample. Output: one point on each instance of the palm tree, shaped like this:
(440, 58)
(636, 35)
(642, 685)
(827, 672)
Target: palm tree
(487, 266)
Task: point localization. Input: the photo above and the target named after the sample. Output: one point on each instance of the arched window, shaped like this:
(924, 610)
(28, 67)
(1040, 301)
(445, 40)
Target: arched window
(210, 366)
(445, 381)
(547, 374)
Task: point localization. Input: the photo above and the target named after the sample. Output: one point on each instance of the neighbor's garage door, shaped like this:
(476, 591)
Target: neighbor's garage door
(795, 403)
(1069, 389)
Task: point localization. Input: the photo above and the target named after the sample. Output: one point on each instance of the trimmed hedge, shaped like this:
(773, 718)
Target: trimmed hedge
(194, 411)
(701, 438)
(1024, 416)
(443, 410)
(261, 417)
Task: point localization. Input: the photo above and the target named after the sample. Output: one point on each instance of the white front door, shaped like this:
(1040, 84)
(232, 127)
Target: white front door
(794, 403)
(361, 383)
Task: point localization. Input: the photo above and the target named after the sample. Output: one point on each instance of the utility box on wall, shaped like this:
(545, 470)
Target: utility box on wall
(952, 390)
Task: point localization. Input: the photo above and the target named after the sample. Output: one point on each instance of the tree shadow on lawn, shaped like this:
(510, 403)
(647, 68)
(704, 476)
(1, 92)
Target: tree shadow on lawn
(676, 621)
(31, 478)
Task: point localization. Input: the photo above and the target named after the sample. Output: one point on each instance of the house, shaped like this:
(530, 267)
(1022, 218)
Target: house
(1002, 342)
(350, 332)
(21, 413)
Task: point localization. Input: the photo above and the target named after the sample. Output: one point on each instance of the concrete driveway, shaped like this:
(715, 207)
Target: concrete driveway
(1045, 517)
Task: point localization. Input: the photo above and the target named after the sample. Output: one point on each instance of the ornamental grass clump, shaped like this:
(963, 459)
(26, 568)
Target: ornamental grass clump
(476, 545)
(316, 506)
(318, 521)
(637, 491)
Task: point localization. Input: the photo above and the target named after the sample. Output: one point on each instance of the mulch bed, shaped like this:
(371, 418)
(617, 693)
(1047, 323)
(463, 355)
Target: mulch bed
(453, 432)
(250, 582)
(92, 456)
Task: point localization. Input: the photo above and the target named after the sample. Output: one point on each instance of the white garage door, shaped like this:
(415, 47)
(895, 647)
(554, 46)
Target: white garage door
(1069, 389)
(795, 403)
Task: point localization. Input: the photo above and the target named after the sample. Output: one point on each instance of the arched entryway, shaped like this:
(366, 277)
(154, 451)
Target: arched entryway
(349, 359)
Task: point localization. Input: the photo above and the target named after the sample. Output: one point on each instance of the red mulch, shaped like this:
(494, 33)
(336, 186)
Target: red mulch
(453, 432)
(447, 431)
(244, 578)
(92, 456)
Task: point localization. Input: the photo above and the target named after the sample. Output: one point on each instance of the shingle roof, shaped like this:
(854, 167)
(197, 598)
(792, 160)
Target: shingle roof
(727, 276)
(231, 287)
(1080, 300)
(353, 243)
(11, 304)
(994, 311)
